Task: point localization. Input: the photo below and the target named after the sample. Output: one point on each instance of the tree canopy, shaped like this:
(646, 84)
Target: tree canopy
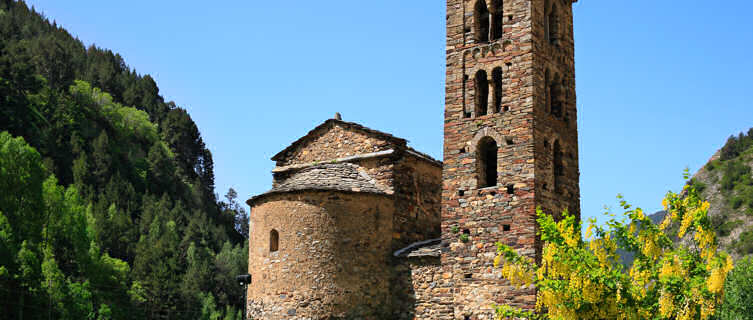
(108, 208)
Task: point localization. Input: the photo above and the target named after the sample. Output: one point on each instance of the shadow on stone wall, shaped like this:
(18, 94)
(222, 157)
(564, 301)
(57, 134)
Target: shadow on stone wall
(412, 287)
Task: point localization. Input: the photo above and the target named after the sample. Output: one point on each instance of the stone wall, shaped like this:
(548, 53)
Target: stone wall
(515, 112)
(382, 169)
(335, 140)
(555, 193)
(502, 212)
(334, 250)
(417, 186)
(416, 290)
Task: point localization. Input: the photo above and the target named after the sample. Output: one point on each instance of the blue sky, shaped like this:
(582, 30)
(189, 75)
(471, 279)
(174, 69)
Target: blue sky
(660, 85)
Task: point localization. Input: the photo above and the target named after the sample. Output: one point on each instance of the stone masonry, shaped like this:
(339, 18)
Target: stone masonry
(510, 88)
(343, 199)
(358, 225)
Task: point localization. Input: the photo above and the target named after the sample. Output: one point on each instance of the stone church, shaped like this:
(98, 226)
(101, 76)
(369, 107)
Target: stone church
(359, 225)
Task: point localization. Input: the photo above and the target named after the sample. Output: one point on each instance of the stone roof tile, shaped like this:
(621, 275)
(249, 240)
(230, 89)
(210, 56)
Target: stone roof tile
(426, 248)
(346, 177)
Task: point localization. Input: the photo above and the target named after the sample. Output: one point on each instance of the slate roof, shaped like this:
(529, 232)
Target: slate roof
(427, 248)
(345, 177)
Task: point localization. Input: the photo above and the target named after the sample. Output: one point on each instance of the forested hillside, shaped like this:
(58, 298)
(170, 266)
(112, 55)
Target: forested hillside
(107, 201)
(727, 183)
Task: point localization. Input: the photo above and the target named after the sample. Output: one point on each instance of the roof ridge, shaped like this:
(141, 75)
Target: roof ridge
(353, 125)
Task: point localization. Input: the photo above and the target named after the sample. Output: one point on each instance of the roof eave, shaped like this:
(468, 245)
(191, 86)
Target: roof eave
(250, 202)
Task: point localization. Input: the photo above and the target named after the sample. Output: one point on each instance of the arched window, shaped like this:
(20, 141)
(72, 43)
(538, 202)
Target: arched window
(487, 162)
(552, 25)
(274, 241)
(482, 93)
(558, 166)
(497, 84)
(481, 21)
(555, 97)
(497, 21)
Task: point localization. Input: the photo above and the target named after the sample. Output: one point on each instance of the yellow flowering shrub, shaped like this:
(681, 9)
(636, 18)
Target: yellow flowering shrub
(585, 279)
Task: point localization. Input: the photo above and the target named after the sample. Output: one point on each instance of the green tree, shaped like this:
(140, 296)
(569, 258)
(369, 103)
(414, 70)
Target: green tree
(738, 292)
(157, 266)
(21, 214)
(49, 254)
(92, 121)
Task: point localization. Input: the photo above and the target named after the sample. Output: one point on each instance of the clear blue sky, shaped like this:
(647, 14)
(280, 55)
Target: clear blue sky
(661, 84)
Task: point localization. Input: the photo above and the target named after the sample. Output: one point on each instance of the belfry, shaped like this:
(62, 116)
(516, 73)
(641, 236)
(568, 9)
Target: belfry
(358, 225)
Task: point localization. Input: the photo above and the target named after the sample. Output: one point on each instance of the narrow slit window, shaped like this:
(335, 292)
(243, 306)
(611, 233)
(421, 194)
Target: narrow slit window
(558, 166)
(555, 92)
(482, 93)
(274, 241)
(481, 21)
(487, 162)
(547, 91)
(497, 83)
(466, 113)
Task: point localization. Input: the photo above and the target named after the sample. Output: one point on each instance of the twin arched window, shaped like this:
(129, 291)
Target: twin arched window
(482, 91)
(487, 162)
(497, 83)
(488, 23)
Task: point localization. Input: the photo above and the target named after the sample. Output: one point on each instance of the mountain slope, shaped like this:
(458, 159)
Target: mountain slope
(726, 182)
(130, 169)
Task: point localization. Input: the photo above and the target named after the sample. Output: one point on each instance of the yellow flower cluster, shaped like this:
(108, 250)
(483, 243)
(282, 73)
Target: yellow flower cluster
(602, 249)
(707, 309)
(565, 229)
(589, 231)
(555, 302)
(665, 223)
(650, 248)
(687, 219)
(705, 238)
(666, 304)
(672, 268)
(715, 281)
(572, 274)
(517, 274)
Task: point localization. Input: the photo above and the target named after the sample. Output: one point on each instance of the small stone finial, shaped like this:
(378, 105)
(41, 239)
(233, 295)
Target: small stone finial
(338, 116)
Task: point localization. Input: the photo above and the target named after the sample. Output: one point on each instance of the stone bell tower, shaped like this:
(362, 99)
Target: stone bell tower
(510, 140)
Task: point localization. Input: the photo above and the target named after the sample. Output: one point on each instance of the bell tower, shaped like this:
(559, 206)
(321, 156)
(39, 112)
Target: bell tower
(510, 140)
